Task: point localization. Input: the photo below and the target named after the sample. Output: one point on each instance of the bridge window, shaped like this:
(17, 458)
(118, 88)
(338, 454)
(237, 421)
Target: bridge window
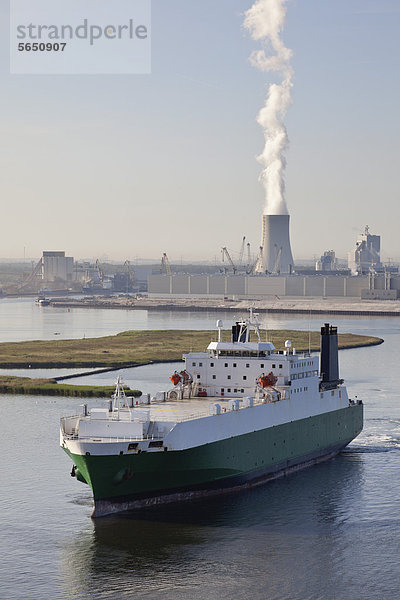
(244, 377)
(226, 364)
(247, 365)
(214, 377)
(234, 364)
(193, 364)
(229, 377)
(211, 364)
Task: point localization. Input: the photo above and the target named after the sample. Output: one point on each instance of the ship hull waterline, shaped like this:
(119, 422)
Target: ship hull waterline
(131, 481)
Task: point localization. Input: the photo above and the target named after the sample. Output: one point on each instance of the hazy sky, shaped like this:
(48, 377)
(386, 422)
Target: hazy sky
(136, 165)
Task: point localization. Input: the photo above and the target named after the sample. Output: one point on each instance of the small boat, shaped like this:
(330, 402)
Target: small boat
(42, 301)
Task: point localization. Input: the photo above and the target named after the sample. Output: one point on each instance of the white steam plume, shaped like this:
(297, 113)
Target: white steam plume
(265, 20)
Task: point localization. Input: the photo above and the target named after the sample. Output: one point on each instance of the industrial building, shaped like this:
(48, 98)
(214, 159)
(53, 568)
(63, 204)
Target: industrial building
(275, 250)
(273, 273)
(327, 262)
(245, 287)
(55, 266)
(366, 255)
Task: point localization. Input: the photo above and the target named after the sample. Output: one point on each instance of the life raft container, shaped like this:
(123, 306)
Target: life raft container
(185, 376)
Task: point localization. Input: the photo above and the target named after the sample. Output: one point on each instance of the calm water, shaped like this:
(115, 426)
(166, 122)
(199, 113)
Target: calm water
(330, 532)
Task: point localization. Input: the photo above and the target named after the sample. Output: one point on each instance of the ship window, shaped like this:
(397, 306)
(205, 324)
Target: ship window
(193, 364)
(222, 390)
(211, 364)
(332, 393)
(198, 376)
(242, 390)
(280, 366)
(234, 364)
(214, 377)
(200, 364)
(226, 364)
(133, 446)
(262, 366)
(244, 377)
(229, 377)
(247, 365)
(229, 389)
(273, 366)
(235, 390)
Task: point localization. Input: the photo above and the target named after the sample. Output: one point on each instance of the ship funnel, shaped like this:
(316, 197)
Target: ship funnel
(329, 366)
(276, 256)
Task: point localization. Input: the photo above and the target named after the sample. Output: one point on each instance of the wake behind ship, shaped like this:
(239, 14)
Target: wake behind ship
(240, 414)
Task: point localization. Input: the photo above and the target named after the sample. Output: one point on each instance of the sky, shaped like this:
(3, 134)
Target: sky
(128, 166)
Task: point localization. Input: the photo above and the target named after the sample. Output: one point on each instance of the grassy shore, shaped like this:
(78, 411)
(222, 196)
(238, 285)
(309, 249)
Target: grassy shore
(49, 387)
(142, 347)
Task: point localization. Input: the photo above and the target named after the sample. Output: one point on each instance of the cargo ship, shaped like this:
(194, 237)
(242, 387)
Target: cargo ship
(238, 415)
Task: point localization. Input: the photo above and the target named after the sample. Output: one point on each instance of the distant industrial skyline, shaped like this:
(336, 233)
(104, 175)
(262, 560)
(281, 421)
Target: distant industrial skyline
(137, 165)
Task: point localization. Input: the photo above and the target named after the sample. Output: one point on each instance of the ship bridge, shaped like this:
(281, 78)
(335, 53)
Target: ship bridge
(241, 349)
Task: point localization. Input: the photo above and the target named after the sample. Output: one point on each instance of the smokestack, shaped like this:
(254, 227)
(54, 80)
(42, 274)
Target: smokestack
(277, 254)
(329, 360)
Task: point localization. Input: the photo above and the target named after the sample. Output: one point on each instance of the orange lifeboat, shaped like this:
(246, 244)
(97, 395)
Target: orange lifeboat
(267, 380)
(175, 378)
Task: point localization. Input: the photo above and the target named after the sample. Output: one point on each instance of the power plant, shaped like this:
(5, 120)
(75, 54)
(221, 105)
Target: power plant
(276, 254)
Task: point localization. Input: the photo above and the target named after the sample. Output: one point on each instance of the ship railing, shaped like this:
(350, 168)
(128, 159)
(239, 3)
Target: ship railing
(121, 439)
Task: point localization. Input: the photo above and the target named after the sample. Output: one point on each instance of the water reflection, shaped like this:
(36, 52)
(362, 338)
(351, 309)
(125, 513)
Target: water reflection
(177, 548)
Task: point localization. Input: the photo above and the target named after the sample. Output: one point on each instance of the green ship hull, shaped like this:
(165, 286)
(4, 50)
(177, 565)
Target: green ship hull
(121, 482)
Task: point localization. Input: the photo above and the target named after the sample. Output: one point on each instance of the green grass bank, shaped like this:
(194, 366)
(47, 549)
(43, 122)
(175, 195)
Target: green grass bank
(132, 348)
(50, 387)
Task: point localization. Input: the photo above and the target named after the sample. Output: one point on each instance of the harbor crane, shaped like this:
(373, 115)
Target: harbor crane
(277, 259)
(130, 275)
(99, 271)
(225, 254)
(34, 276)
(165, 266)
(251, 267)
(241, 254)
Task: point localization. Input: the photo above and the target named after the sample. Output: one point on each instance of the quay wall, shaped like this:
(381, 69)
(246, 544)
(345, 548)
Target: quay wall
(244, 287)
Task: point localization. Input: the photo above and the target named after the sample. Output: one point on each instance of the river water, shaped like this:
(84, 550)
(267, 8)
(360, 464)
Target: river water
(329, 532)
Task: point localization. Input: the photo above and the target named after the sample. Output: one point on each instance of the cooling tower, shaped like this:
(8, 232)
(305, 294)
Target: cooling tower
(276, 256)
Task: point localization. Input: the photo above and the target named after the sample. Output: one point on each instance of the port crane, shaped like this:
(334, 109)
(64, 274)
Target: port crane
(252, 266)
(165, 264)
(36, 273)
(277, 262)
(225, 254)
(130, 274)
(241, 254)
(99, 271)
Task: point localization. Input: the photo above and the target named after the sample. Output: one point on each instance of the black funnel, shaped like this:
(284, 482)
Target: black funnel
(329, 356)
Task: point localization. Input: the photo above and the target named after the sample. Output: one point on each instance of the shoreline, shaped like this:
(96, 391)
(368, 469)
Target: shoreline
(277, 305)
